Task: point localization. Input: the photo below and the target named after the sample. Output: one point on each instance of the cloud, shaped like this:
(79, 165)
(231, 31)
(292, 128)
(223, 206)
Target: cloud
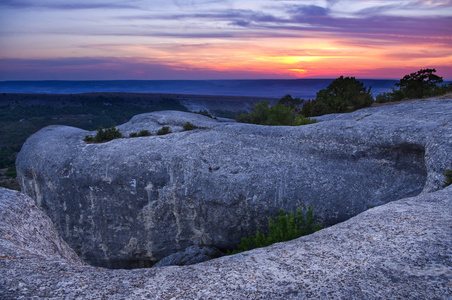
(113, 68)
(64, 5)
(234, 34)
(309, 10)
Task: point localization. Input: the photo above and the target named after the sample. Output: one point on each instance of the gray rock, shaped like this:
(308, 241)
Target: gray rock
(25, 230)
(131, 202)
(401, 250)
(191, 255)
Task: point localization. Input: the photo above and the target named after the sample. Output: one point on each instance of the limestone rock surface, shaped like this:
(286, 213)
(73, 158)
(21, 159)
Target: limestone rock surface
(400, 250)
(26, 230)
(133, 201)
(190, 256)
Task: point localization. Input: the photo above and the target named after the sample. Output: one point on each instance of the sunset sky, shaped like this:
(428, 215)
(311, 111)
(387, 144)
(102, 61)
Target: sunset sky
(229, 39)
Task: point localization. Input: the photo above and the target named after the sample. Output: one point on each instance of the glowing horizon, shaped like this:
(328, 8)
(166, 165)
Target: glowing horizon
(223, 39)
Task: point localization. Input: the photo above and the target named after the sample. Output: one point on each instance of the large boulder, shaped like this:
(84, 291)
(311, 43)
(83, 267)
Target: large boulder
(133, 201)
(400, 250)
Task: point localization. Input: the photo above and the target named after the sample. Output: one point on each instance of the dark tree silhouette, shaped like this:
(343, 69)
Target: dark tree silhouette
(419, 84)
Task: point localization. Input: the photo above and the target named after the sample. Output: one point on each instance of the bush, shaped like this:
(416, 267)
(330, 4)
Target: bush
(284, 113)
(342, 95)
(283, 228)
(104, 135)
(448, 175)
(384, 98)
(189, 126)
(141, 133)
(144, 133)
(164, 130)
(302, 120)
(419, 84)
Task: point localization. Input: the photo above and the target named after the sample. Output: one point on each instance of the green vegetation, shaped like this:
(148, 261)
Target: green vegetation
(189, 126)
(103, 136)
(164, 130)
(23, 115)
(141, 133)
(448, 175)
(283, 228)
(342, 95)
(144, 133)
(421, 84)
(283, 113)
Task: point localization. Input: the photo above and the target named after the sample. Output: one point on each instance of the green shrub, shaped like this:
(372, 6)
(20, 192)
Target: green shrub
(164, 130)
(144, 133)
(302, 120)
(448, 175)
(189, 126)
(104, 135)
(283, 228)
(421, 84)
(89, 139)
(283, 113)
(342, 95)
(141, 133)
(384, 97)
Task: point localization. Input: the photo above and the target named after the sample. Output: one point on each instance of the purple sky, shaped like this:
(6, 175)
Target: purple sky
(230, 39)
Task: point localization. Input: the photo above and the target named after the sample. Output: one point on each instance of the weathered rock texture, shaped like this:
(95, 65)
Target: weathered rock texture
(401, 250)
(26, 230)
(131, 202)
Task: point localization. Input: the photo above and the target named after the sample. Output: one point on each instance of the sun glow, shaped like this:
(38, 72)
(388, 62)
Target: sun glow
(174, 40)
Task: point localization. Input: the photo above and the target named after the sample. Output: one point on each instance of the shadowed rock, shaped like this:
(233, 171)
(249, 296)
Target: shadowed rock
(131, 202)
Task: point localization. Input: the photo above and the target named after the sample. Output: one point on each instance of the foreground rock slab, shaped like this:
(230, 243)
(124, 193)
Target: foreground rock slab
(133, 201)
(401, 250)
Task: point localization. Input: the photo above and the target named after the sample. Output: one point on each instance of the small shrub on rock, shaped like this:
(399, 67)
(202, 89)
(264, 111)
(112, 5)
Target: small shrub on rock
(103, 136)
(302, 120)
(284, 227)
(141, 133)
(164, 130)
(144, 133)
(189, 126)
(283, 113)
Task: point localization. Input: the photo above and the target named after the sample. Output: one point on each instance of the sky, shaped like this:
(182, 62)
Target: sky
(223, 39)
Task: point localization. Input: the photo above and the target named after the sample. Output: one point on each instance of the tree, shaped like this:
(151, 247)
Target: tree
(419, 84)
(342, 95)
(293, 103)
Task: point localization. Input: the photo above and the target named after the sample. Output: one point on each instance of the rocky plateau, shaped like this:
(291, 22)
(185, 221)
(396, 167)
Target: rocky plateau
(375, 176)
(131, 202)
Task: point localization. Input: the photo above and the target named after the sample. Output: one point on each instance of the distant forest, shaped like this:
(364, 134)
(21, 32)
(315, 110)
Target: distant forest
(21, 115)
